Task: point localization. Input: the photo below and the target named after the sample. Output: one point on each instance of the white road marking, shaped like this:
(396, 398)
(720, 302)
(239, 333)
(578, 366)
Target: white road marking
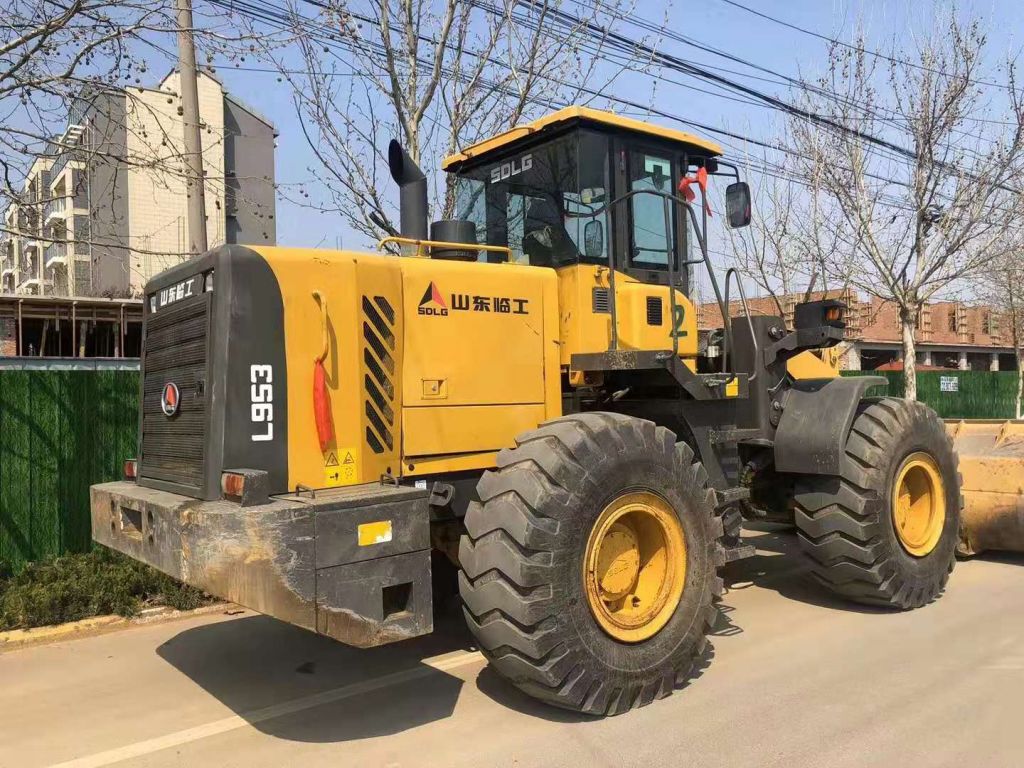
(148, 746)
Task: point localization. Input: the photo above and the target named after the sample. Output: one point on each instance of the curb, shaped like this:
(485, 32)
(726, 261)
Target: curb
(20, 638)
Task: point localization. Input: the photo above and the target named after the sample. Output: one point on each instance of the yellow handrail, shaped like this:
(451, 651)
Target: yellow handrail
(442, 244)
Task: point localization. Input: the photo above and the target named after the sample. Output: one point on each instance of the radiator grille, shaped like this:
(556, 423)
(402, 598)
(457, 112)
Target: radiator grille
(654, 312)
(378, 381)
(600, 300)
(175, 350)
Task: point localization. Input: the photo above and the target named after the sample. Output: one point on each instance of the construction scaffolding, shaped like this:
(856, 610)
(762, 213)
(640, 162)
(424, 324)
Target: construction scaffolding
(70, 327)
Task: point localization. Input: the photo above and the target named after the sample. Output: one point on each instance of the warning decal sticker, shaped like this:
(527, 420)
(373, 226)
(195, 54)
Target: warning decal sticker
(340, 467)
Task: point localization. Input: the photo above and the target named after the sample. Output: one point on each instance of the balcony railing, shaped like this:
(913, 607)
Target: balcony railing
(58, 206)
(27, 280)
(55, 253)
(72, 136)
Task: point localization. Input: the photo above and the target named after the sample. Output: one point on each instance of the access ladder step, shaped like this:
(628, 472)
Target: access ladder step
(731, 496)
(736, 552)
(726, 436)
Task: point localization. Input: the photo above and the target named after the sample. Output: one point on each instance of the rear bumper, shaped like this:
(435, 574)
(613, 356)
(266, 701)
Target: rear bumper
(352, 563)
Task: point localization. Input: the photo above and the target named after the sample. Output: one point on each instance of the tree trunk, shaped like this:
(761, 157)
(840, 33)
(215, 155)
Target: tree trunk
(1018, 350)
(908, 323)
(1020, 380)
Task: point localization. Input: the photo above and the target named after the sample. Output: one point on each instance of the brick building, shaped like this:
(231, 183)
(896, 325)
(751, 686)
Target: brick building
(108, 210)
(949, 334)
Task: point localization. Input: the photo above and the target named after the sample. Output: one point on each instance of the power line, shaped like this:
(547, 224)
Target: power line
(623, 44)
(268, 14)
(272, 15)
(678, 64)
(778, 78)
(326, 35)
(857, 48)
(673, 62)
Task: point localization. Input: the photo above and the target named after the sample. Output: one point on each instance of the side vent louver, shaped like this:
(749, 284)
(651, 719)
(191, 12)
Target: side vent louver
(601, 300)
(378, 381)
(654, 313)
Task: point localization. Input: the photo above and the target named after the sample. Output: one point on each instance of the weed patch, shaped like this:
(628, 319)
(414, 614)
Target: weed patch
(73, 587)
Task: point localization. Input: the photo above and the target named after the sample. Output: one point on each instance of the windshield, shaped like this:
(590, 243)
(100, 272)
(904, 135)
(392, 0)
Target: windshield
(539, 202)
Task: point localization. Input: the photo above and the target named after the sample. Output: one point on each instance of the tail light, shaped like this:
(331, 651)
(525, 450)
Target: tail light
(248, 487)
(232, 484)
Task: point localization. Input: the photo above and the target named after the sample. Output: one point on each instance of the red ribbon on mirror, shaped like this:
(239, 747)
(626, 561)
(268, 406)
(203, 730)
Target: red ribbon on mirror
(701, 180)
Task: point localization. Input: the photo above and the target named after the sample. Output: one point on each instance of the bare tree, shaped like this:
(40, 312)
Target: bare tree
(767, 251)
(784, 251)
(54, 52)
(1001, 285)
(915, 219)
(438, 75)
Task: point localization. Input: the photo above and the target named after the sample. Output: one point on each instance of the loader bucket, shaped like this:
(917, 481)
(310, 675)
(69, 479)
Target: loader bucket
(992, 468)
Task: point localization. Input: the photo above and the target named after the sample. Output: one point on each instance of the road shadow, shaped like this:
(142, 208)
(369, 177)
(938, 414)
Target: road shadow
(495, 687)
(780, 565)
(255, 663)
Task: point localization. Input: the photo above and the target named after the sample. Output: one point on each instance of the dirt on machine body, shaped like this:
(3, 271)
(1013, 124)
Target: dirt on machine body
(516, 406)
(992, 471)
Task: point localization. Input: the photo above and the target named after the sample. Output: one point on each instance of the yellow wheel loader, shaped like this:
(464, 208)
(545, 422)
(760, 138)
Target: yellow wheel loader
(521, 392)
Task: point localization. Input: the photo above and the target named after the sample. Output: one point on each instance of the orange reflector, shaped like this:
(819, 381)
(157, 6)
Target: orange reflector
(322, 406)
(232, 484)
(130, 469)
(833, 313)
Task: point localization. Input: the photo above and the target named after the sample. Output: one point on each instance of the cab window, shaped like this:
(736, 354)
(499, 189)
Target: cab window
(650, 243)
(539, 202)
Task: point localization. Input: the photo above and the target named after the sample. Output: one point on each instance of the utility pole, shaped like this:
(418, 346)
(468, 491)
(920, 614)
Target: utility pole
(195, 184)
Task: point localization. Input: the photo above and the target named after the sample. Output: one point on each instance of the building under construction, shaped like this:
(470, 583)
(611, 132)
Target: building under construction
(949, 335)
(47, 327)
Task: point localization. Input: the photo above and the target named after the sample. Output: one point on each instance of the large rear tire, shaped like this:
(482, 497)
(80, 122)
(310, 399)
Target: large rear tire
(589, 567)
(884, 531)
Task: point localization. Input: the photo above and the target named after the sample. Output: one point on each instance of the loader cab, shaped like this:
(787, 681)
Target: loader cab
(551, 191)
(595, 196)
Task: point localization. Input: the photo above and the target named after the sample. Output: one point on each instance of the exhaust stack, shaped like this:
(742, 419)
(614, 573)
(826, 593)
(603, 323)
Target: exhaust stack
(412, 186)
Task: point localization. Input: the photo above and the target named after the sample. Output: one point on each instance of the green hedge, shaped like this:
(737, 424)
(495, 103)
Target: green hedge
(60, 432)
(977, 394)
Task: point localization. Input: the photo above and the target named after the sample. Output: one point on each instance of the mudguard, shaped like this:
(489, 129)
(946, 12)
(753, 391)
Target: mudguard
(816, 419)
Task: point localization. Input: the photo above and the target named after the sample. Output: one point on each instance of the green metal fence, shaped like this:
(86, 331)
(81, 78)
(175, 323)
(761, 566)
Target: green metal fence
(60, 432)
(958, 394)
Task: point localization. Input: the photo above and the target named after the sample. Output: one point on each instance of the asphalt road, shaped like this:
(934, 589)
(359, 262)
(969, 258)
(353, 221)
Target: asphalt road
(794, 679)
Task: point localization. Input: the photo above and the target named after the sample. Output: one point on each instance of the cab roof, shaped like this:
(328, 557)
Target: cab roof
(582, 114)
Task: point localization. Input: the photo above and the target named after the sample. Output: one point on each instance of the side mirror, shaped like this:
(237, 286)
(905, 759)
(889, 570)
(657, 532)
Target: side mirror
(737, 204)
(593, 240)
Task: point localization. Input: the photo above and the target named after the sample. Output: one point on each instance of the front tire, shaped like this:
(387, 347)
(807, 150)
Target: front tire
(884, 531)
(590, 563)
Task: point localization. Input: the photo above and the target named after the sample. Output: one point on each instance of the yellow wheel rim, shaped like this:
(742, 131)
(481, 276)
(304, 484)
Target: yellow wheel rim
(919, 504)
(635, 566)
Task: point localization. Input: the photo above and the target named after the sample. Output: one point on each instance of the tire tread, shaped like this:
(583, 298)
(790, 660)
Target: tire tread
(839, 519)
(509, 553)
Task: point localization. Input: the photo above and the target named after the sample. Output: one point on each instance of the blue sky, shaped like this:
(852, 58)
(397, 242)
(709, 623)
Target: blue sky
(713, 22)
